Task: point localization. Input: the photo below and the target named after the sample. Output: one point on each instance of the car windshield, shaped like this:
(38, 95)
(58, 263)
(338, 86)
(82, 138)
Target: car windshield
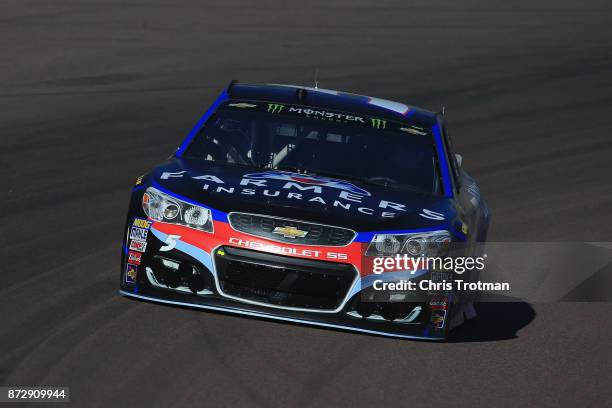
(320, 142)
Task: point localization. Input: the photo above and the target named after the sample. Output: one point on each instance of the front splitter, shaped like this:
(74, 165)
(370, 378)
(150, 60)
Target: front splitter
(332, 321)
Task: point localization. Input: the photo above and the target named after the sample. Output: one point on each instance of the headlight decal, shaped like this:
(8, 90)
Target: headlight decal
(216, 214)
(415, 244)
(367, 237)
(161, 206)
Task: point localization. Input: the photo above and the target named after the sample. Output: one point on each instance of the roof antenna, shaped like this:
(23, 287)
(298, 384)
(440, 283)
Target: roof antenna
(316, 78)
(443, 110)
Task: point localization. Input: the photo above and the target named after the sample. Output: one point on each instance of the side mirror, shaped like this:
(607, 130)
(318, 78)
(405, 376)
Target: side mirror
(459, 159)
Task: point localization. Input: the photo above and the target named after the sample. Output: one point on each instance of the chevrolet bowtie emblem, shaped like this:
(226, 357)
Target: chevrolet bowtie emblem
(290, 232)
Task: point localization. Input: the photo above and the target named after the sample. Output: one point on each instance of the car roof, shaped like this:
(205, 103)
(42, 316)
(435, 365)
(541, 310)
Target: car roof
(333, 100)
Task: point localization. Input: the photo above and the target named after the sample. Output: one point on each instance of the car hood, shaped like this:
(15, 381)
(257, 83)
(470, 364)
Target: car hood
(359, 206)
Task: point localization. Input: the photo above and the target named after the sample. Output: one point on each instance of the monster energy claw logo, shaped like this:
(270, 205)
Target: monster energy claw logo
(378, 123)
(275, 108)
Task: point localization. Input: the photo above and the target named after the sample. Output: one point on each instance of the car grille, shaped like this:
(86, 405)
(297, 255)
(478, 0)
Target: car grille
(316, 234)
(282, 281)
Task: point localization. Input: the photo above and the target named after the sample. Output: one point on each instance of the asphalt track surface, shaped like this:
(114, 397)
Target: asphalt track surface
(94, 93)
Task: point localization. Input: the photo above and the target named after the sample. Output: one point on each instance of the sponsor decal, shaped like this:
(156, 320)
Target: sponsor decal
(283, 250)
(299, 187)
(432, 215)
(309, 180)
(275, 108)
(290, 232)
(139, 233)
(130, 274)
(242, 105)
(137, 245)
(438, 284)
(139, 180)
(439, 301)
(440, 276)
(134, 257)
(323, 114)
(438, 316)
(138, 222)
(378, 123)
(414, 130)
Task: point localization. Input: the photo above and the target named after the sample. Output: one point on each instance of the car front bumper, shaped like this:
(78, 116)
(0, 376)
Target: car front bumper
(279, 287)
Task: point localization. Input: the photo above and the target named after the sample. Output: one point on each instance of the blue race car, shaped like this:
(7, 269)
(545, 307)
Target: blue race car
(283, 201)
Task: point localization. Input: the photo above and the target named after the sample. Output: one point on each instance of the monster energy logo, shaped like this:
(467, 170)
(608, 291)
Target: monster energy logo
(378, 123)
(275, 108)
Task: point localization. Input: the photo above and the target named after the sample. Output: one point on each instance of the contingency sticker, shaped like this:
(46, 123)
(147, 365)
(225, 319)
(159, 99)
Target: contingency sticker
(439, 302)
(130, 274)
(134, 257)
(437, 318)
(139, 222)
(139, 233)
(138, 245)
